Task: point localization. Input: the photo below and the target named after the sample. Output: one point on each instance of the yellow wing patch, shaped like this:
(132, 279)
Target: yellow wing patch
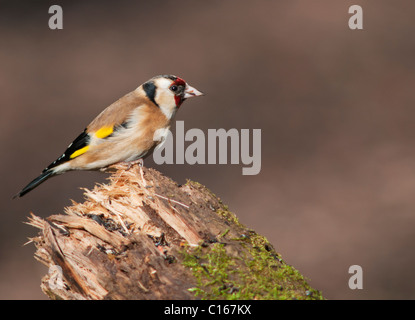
(104, 132)
(79, 152)
(100, 134)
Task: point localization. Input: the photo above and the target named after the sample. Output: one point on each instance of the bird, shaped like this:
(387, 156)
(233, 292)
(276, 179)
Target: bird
(126, 131)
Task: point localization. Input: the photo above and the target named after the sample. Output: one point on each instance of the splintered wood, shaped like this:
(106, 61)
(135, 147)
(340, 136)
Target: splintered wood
(122, 241)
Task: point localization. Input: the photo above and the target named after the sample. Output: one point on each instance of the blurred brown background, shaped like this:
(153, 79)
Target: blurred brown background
(336, 108)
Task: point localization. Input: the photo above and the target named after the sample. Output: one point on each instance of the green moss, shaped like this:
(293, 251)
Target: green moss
(229, 216)
(255, 272)
(211, 269)
(244, 268)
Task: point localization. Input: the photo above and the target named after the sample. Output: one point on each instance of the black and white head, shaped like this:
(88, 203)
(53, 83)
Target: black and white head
(168, 92)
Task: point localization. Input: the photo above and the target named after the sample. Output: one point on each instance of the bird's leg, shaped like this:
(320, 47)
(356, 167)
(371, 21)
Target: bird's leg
(140, 163)
(131, 163)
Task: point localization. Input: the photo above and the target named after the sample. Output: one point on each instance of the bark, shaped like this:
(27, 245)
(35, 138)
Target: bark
(143, 236)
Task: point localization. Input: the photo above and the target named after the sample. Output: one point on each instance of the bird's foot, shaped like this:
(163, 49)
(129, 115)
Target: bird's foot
(140, 163)
(129, 164)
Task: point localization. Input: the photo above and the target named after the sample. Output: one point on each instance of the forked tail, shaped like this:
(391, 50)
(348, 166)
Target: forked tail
(42, 178)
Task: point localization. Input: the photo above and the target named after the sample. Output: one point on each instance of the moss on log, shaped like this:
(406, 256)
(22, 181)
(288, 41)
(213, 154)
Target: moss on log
(143, 236)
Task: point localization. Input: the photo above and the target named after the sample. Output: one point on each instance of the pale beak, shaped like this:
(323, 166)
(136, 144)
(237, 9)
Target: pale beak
(191, 92)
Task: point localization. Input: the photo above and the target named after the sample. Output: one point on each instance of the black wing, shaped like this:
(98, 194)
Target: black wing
(80, 142)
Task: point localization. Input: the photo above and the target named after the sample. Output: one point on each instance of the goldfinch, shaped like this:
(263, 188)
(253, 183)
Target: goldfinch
(125, 131)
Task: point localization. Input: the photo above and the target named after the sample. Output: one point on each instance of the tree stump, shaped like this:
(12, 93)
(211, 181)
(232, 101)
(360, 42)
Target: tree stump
(143, 236)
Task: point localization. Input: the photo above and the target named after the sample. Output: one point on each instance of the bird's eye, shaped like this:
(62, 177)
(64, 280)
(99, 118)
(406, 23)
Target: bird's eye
(173, 88)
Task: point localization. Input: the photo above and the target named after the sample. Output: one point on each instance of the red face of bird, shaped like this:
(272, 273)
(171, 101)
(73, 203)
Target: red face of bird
(169, 92)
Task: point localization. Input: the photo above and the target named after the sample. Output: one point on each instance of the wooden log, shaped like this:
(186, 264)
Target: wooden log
(143, 236)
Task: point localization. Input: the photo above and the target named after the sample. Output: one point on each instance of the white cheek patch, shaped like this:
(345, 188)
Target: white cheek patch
(165, 97)
(166, 102)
